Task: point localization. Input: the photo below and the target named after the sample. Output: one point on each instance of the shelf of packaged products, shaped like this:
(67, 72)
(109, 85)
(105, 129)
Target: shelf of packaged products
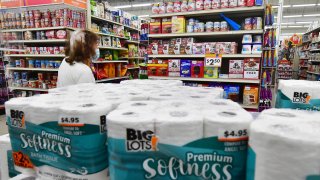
(304, 58)
(31, 69)
(263, 67)
(206, 34)
(212, 12)
(37, 41)
(133, 67)
(313, 50)
(132, 41)
(253, 106)
(34, 55)
(30, 7)
(131, 28)
(38, 29)
(28, 89)
(135, 58)
(306, 41)
(246, 81)
(111, 35)
(313, 30)
(202, 56)
(310, 72)
(111, 61)
(112, 48)
(111, 79)
(106, 20)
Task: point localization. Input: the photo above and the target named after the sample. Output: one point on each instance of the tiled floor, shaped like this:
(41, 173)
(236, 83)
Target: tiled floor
(3, 126)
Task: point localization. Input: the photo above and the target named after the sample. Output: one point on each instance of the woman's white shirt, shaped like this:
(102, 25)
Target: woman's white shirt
(74, 74)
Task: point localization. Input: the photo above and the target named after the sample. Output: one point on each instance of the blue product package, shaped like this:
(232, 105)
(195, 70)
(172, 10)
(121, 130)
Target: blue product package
(185, 68)
(231, 92)
(37, 64)
(259, 2)
(24, 75)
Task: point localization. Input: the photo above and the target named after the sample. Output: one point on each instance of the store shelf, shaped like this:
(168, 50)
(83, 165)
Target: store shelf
(31, 69)
(38, 41)
(111, 61)
(105, 20)
(37, 6)
(314, 61)
(38, 29)
(111, 35)
(133, 67)
(304, 58)
(255, 106)
(269, 67)
(239, 10)
(201, 34)
(135, 58)
(202, 56)
(246, 81)
(28, 89)
(112, 79)
(112, 48)
(131, 41)
(310, 72)
(313, 50)
(35, 55)
(131, 28)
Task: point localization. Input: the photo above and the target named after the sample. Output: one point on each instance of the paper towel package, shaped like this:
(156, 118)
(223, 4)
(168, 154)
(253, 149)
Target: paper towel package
(284, 144)
(298, 94)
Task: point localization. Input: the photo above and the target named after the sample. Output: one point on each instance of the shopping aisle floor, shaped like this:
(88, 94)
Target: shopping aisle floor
(3, 126)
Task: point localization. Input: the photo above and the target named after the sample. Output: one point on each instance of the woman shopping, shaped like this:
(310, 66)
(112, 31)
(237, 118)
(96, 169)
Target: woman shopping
(75, 68)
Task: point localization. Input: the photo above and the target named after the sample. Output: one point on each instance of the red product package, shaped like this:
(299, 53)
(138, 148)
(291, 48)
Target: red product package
(250, 3)
(50, 34)
(197, 69)
(61, 34)
(155, 26)
(242, 3)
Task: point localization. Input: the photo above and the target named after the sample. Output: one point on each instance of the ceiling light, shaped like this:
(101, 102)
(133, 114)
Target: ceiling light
(295, 26)
(123, 7)
(286, 6)
(303, 5)
(304, 22)
(310, 15)
(141, 5)
(285, 23)
(292, 16)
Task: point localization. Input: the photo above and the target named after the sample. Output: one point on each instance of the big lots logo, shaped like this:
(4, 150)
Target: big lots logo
(301, 97)
(140, 140)
(17, 119)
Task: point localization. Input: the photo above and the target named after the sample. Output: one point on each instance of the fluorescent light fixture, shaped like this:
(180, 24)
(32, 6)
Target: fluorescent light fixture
(310, 15)
(141, 5)
(303, 22)
(144, 15)
(286, 6)
(295, 26)
(285, 23)
(289, 34)
(292, 16)
(123, 7)
(303, 5)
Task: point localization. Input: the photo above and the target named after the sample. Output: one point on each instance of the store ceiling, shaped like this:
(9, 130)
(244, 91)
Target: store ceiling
(297, 14)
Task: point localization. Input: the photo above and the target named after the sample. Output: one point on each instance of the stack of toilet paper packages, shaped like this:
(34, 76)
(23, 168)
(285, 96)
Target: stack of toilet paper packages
(298, 94)
(284, 144)
(63, 134)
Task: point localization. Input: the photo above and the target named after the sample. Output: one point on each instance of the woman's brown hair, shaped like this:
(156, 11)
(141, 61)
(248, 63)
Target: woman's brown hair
(81, 47)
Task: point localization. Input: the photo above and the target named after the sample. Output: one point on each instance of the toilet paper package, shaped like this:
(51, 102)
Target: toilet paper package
(63, 139)
(300, 94)
(6, 160)
(173, 142)
(284, 144)
(23, 177)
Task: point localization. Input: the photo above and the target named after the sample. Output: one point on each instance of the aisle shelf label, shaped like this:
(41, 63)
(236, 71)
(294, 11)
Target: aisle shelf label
(213, 60)
(70, 121)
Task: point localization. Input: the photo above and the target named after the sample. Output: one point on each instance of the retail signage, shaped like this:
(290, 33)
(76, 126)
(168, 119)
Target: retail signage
(213, 60)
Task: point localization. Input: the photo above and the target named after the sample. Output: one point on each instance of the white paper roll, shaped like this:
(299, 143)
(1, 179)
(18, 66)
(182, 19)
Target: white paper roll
(140, 105)
(23, 177)
(178, 126)
(5, 146)
(220, 120)
(285, 145)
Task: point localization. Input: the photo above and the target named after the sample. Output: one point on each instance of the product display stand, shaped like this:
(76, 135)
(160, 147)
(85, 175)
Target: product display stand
(119, 38)
(39, 36)
(310, 55)
(235, 85)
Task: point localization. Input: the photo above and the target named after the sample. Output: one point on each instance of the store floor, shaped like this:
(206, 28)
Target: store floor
(3, 126)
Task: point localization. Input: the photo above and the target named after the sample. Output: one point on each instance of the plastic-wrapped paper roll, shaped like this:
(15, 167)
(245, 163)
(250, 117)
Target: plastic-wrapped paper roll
(284, 144)
(153, 82)
(180, 103)
(300, 94)
(155, 96)
(6, 161)
(216, 92)
(178, 126)
(218, 104)
(228, 130)
(23, 177)
(141, 105)
(130, 134)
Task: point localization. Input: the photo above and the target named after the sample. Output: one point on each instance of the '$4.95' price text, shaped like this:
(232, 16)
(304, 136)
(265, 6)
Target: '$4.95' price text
(236, 134)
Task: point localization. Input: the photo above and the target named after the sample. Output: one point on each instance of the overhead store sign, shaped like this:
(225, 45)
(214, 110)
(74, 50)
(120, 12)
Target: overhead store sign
(296, 39)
